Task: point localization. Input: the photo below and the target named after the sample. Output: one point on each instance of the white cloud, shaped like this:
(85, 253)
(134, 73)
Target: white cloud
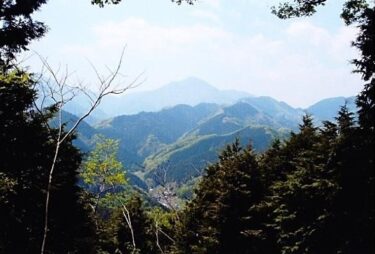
(335, 44)
(314, 35)
(213, 3)
(143, 36)
(301, 66)
(207, 15)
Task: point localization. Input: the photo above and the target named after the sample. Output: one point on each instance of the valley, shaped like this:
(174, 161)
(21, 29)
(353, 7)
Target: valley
(189, 137)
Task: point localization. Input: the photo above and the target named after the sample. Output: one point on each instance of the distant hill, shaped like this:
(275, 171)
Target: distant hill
(282, 113)
(193, 91)
(143, 134)
(190, 91)
(188, 157)
(189, 136)
(79, 107)
(327, 109)
(84, 132)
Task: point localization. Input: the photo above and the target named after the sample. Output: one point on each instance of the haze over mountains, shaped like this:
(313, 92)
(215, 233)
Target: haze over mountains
(190, 91)
(189, 122)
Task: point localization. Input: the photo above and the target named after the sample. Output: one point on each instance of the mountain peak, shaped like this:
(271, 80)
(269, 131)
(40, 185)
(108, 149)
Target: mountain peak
(189, 84)
(190, 91)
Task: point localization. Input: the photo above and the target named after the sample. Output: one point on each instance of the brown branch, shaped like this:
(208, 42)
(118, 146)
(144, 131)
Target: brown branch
(62, 95)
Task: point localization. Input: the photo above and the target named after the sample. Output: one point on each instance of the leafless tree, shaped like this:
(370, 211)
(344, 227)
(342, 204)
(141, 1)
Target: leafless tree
(56, 87)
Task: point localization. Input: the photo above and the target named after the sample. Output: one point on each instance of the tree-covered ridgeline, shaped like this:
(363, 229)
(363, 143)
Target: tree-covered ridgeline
(310, 194)
(317, 187)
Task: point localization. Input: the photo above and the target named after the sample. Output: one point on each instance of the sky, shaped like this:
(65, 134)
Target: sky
(231, 44)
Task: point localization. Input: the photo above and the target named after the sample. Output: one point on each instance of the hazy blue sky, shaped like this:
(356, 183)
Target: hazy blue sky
(232, 44)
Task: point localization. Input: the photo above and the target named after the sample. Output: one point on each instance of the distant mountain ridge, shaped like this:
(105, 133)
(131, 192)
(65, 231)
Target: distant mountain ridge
(145, 135)
(327, 109)
(191, 91)
(190, 136)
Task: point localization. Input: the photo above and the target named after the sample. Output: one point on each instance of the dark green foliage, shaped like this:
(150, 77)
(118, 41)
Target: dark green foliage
(27, 146)
(115, 234)
(102, 3)
(222, 217)
(365, 42)
(351, 11)
(311, 194)
(297, 9)
(322, 190)
(17, 28)
(302, 199)
(354, 171)
(351, 162)
(142, 226)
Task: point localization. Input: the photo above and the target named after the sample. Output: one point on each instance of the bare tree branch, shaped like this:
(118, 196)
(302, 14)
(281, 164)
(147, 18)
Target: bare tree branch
(157, 230)
(61, 92)
(157, 237)
(126, 214)
(166, 235)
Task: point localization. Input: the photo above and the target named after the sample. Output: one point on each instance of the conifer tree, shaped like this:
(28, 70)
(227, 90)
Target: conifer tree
(221, 218)
(352, 160)
(27, 149)
(17, 28)
(302, 199)
(353, 204)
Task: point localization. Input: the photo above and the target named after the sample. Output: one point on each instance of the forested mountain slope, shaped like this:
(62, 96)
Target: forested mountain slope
(190, 137)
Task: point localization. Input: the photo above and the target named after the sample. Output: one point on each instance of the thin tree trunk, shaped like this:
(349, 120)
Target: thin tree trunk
(105, 88)
(46, 211)
(128, 221)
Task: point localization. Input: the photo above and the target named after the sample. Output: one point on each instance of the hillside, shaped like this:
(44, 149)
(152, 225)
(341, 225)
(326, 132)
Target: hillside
(190, 137)
(284, 114)
(144, 134)
(327, 109)
(186, 134)
(187, 157)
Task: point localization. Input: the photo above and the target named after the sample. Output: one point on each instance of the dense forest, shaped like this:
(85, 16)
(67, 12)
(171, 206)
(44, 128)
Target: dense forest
(310, 193)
